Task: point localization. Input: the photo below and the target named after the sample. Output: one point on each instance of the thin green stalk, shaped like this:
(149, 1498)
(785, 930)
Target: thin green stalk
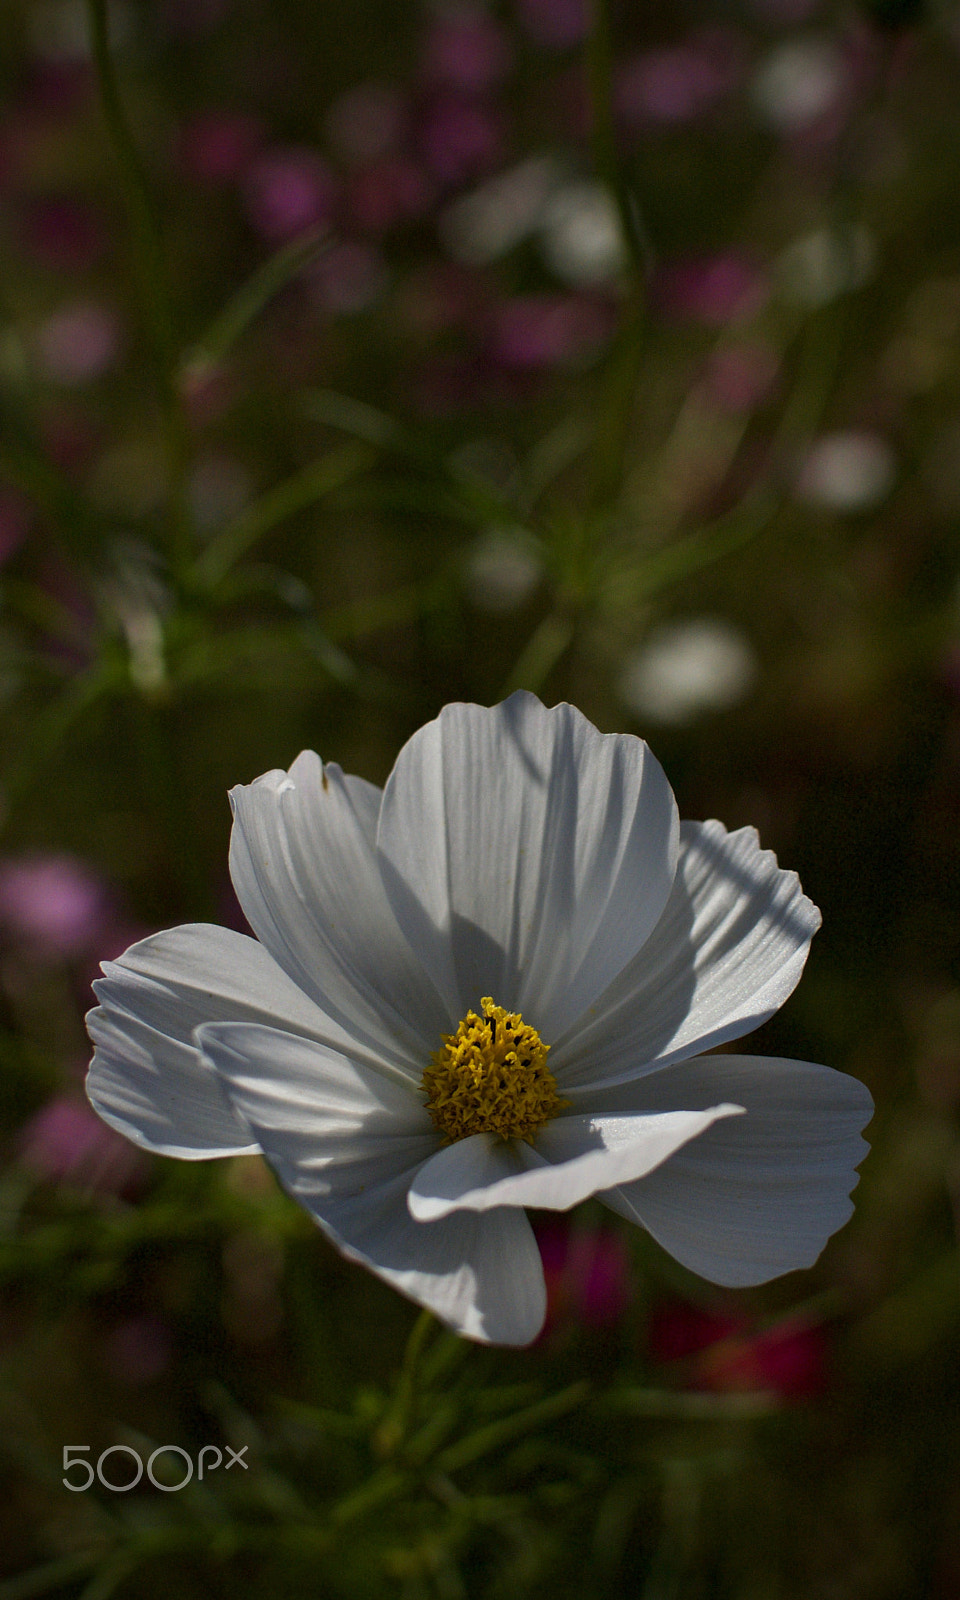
(548, 642)
(151, 275)
(623, 365)
(250, 299)
(496, 1434)
(393, 1427)
(303, 488)
(604, 143)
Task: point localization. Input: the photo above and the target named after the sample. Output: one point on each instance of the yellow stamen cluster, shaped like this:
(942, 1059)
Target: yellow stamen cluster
(491, 1076)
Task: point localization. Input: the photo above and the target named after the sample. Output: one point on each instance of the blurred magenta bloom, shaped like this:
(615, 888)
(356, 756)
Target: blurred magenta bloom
(388, 192)
(555, 24)
(542, 330)
(459, 138)
(714, 289)
(79, 342)
(587, 1272)
(63, 232)
(678, 1330)
(54, 903)
(468, 52)
(66, 1142)
(216, 147)
(287, 191)
(724, 1355)
(674, 84)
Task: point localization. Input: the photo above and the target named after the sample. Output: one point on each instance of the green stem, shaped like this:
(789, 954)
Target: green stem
(548, 642)
(393, 1427)
(152, 281)
(604, 142)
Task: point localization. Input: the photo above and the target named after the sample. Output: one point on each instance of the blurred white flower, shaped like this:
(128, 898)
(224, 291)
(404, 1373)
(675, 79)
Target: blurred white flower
(490, 987)
(685, 668)
(847, 472)
(822, 265)
(502, 569)
(800, 80)
(487, 223)
(581, 237)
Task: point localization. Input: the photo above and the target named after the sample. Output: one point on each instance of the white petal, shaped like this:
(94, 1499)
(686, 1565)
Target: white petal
(728, 950)
(146, 1079)
(303, 864)
(526, 855)
(573, 1158)
(759, 1195)
(346, 1143)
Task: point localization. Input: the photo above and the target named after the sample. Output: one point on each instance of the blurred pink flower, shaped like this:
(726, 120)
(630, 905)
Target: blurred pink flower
(288, 190)
(714, 289)
(388, 192)
(541, 330)
(66, 1142)
(467, 52)
(587, 1272)
(555, 24)
(216, 147)
(723, 1354)
(459, 138)
(675, 84)
(15, 518)
(63, 232)
(55, 904)
(742, 376)
(79, 342)
(137, 1351)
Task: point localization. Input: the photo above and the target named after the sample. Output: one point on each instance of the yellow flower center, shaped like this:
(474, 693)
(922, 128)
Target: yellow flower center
(491, 1076)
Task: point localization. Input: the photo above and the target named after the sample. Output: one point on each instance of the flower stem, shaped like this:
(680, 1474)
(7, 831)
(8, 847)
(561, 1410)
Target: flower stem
(616, 401)
(150, 268)
(393, 1426)
(604, 143)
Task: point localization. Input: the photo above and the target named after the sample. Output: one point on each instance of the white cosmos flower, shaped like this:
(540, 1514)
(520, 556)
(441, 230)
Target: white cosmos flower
(516, 854)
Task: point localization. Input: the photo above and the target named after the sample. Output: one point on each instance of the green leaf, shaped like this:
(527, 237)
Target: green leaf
(312, 483)
(245, 306)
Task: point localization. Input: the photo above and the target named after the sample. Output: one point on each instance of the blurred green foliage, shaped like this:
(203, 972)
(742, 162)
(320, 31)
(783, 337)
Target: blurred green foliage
(278, 469)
